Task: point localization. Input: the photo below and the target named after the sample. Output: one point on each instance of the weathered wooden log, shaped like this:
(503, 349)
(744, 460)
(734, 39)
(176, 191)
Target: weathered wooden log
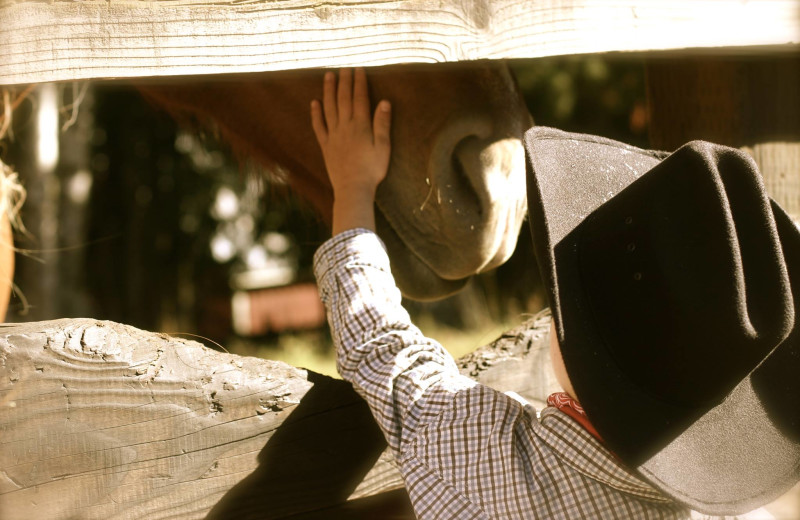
(102, 420)
(89, 39)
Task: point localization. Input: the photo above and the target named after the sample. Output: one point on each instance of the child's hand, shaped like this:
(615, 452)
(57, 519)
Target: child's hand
(355, 148)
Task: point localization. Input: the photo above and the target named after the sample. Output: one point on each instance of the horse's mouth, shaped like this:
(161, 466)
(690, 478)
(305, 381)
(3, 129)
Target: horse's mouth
(415, 278)
(470, 218)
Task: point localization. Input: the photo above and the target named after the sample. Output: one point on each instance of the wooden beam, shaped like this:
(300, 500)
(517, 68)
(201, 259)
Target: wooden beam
(749, 103)
(102, 420)
(88, 39)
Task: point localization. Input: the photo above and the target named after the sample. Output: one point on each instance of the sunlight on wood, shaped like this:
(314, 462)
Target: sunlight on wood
(100, 39)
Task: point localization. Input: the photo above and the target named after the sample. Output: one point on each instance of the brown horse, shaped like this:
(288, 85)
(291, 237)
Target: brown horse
(454, 199)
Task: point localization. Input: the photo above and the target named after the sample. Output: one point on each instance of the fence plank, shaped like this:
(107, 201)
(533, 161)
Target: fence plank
(85, 39)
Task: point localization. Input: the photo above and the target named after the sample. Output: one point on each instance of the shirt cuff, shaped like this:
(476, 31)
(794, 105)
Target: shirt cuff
(359, 243)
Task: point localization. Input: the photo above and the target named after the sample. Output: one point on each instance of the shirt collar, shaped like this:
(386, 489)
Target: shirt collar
(581, 451)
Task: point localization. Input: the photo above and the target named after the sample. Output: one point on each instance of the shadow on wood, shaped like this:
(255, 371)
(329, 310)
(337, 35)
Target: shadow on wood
(315, 461)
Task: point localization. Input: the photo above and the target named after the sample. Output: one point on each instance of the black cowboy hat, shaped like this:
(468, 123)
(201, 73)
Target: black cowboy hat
(674, 282)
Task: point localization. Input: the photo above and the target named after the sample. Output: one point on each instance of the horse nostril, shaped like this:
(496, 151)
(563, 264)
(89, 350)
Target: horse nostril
(472, 170)
(469, 175)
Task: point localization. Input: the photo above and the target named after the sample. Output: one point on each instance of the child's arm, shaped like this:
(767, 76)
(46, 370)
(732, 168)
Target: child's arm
(456, 442)
(356, 151)
(387, 359)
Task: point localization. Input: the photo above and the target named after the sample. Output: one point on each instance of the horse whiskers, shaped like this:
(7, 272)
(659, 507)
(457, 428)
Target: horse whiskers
(78, 93)
(430, 192)
(9, 106)
(22, 298)
(197, 336)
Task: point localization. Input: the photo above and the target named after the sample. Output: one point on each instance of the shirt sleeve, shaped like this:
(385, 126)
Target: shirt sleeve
(404, 376)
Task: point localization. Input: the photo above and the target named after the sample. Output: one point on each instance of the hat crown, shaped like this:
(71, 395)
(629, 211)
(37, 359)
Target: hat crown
(685, 275)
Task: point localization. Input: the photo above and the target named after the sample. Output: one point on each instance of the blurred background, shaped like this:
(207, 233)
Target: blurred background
(134, 219)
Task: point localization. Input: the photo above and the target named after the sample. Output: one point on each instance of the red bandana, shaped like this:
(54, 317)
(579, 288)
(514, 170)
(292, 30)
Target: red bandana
(564, 402)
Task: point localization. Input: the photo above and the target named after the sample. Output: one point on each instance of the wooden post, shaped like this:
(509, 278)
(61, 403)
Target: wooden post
(55, 210)
(747, 102)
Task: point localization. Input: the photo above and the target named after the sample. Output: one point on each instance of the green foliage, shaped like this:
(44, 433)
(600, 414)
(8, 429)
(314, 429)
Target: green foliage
(594, 94)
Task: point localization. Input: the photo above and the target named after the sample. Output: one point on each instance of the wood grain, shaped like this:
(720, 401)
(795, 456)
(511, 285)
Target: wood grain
(102, 420)
(89, 39)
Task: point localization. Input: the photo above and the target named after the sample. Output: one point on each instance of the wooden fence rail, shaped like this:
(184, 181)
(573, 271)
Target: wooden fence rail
(90, 39)
(102, 420)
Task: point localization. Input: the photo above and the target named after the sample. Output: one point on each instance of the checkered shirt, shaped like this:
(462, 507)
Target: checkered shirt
(464, 450)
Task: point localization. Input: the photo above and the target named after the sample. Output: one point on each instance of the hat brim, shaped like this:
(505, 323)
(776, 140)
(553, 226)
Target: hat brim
(729, 459)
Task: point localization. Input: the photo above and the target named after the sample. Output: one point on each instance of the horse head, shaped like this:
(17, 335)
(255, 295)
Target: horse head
(454, 199)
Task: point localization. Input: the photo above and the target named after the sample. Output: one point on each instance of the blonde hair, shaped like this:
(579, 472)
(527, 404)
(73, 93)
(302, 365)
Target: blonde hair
(12, 193)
